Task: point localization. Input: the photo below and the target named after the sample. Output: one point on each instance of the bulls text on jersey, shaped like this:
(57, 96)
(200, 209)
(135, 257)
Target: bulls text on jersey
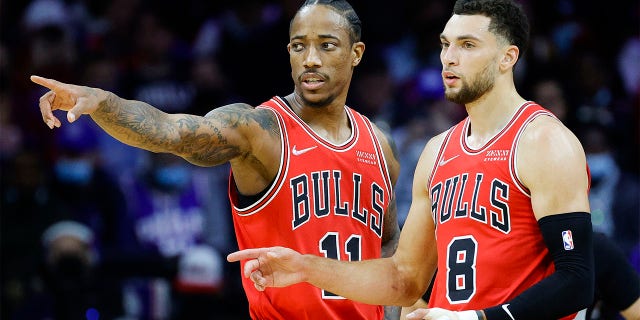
(320, 194)
(448, 201)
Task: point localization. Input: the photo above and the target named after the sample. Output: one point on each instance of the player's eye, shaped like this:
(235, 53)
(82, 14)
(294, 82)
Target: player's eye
(328, 45)
(297, 47)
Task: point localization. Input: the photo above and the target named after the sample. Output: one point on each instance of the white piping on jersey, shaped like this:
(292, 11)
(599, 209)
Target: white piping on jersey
(467, 122)
(314, 135)
(505, 307)
(434, 169)
(581, 315)
(377, 146)
(513, 159)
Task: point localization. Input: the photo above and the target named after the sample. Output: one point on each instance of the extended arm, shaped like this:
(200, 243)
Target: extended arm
(226, 133)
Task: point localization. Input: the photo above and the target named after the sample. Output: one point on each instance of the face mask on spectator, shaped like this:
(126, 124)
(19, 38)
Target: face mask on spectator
(74, 171)
(601, 165)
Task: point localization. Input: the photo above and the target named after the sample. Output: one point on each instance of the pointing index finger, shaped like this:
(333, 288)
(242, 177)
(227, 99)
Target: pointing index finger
(49, 83)
(245, 254)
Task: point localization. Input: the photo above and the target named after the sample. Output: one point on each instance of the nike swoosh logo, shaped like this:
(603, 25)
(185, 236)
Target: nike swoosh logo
(301, 151)
(443, 161)
(505, 307)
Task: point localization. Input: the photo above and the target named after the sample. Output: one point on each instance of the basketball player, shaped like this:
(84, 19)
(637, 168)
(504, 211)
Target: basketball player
(306, 170)
(499, 203)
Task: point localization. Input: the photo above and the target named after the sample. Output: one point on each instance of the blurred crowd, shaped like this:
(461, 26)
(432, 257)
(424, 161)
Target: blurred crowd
(93, 229)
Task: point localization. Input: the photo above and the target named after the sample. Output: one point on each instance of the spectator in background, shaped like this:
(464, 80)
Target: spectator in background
(35, 194)
(166, 222)
(83, 188)
(74, 287)
(378, 104)
(549, 92)
(255, 32)
(160, 73)
(11, 138)
(628, 63)
(52, 46)
(210, 84)
(595, 81)
(46, 44)
(615, 209)
(435, 117)
(27, 207)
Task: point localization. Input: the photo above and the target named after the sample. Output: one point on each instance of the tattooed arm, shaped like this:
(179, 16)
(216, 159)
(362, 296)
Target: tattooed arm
(225, 134)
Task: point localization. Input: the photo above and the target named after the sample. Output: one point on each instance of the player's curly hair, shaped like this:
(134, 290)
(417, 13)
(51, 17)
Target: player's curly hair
(345, 9)
(508, 19)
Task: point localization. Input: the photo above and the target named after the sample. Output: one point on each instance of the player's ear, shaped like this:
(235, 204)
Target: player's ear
(510, 57)
(357, 50)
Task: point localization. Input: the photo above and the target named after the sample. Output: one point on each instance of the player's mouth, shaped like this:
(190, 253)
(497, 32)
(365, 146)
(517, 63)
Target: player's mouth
(449, 78)
(312, 80)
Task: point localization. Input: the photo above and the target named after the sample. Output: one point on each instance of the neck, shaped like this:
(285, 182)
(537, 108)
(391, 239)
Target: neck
(330, 121)
(491, 112)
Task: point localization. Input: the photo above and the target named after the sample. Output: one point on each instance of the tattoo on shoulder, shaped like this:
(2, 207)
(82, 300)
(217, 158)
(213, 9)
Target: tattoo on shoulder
(234, 116)
(240, 114)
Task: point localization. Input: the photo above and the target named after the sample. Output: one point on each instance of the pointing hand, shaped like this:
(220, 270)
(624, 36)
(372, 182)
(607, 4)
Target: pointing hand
(76, 100)
(271, 267)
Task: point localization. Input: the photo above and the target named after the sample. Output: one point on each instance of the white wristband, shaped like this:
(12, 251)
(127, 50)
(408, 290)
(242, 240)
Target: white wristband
(467, 315)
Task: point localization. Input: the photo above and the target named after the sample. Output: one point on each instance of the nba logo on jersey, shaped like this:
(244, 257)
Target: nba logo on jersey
(567, 239)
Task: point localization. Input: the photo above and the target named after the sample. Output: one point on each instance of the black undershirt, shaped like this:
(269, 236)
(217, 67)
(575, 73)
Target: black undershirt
(247, 200)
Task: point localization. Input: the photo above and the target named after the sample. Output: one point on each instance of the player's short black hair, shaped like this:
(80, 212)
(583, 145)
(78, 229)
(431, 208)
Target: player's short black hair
(345, 9)
(508, 19)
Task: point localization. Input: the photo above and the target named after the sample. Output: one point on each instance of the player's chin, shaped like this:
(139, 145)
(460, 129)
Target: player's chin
(317, 99)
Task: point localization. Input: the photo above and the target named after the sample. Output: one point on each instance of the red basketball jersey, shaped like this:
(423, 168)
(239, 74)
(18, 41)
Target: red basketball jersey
(328, 200)
(489, 244)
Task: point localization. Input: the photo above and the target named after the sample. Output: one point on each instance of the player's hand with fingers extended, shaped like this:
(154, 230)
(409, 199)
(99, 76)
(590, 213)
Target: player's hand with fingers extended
(76, 100)
(271, 267)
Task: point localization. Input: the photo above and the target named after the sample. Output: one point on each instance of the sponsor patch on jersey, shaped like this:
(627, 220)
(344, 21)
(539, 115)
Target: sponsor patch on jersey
(496, 155)
(366, 157)
(567, 239)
